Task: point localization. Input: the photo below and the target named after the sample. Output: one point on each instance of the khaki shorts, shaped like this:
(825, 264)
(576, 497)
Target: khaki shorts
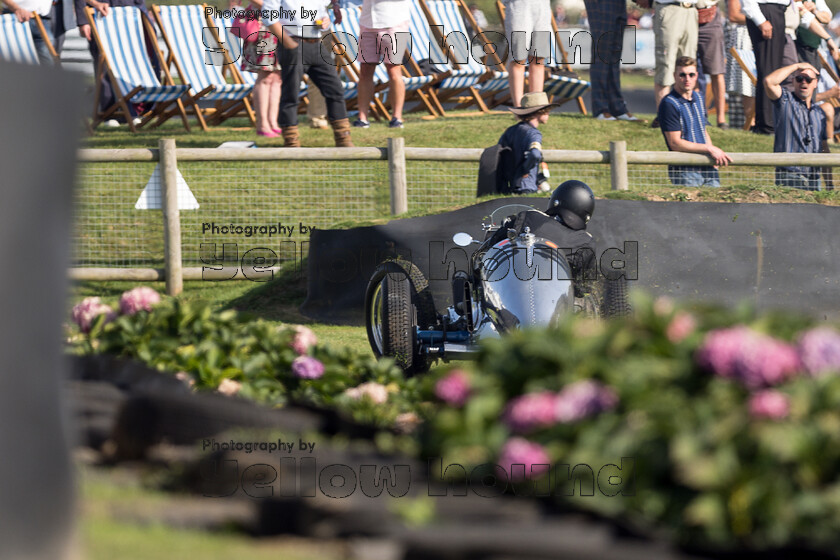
(675, 31)
(373, 49)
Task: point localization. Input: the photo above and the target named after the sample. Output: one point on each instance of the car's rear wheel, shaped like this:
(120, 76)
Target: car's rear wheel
(615, 298)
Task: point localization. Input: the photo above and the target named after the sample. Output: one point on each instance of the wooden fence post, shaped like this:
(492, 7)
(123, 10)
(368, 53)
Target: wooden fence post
(397, 176)
(171, 216)
(618, 165)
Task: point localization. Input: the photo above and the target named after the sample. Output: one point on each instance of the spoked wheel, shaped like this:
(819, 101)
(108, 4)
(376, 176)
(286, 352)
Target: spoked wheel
(396, 301)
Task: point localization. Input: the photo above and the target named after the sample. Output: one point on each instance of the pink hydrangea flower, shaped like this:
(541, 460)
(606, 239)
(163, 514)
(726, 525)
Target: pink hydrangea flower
(90, 308)
(765, 361)
(583, 399)
(819, 351)
(755, 359)
(306, 367)
(229, 387)
(681, 326)
(720, 349)
(531, 411)
(137, 299)
(376, 392)
(406, 422)
(520, 451)
(454, 389)
(303, 340)
(769, 404)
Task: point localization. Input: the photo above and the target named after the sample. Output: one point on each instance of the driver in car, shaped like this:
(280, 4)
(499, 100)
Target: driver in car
(564, 222)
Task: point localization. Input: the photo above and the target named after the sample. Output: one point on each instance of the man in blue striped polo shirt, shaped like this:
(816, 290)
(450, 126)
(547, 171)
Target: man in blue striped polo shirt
(800, 125)
(682, 118)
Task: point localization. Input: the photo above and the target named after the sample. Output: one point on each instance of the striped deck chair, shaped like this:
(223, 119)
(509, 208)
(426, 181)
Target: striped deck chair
(563, 83)
(16, 43)
(122, 56)
(453, 79)
(348, 33)
(746, 60)
(471, 82)
(230, 47)
(182, 29)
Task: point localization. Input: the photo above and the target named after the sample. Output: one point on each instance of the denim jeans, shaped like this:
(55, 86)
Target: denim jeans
(788, 178)
(694, 176)
(44, 55)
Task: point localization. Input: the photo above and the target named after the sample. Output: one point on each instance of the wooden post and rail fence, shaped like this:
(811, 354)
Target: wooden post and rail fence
(396, 154)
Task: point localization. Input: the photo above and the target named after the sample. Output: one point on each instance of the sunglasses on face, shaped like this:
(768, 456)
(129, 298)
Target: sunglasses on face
(806, 79)
(688, 75)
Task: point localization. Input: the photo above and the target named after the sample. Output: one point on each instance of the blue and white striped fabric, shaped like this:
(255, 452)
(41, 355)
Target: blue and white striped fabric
(748, 58)
(233, 44)
(448, 14)
(183, 26)
(121, 34)
(348, 33)
(16, 43)
(425, 47)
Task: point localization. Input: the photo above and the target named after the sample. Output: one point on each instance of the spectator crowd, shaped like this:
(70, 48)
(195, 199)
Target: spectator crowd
(767, 55)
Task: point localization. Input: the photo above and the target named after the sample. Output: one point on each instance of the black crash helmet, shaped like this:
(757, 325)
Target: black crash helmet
(574, 202)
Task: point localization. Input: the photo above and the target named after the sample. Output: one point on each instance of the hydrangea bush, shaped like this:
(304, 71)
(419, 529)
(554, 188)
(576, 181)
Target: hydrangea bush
(732, 421)
(237, 356)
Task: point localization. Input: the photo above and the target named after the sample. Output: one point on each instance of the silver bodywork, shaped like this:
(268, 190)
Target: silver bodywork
(525, 282)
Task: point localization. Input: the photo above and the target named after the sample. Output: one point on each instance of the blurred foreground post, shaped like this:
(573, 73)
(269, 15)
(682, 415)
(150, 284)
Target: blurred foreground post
(40, 121)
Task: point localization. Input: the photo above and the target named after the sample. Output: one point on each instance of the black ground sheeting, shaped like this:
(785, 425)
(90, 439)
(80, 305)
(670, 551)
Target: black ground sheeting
(779, 255)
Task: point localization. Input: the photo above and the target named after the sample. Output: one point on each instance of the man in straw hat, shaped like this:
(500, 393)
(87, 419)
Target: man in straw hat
(525, 140)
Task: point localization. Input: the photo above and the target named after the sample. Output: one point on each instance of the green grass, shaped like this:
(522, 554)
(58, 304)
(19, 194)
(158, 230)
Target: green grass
(461, 130)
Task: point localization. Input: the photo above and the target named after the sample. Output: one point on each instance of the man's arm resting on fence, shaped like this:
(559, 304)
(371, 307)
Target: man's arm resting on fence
(678, 144)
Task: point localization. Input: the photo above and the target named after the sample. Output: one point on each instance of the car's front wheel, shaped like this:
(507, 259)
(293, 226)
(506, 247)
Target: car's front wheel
(396, 298)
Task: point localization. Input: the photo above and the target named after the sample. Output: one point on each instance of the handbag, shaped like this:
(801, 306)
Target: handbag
(246, 26)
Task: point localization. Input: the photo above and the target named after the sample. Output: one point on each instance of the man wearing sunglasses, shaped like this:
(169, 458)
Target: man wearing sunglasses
(800, 125)
(682, 119)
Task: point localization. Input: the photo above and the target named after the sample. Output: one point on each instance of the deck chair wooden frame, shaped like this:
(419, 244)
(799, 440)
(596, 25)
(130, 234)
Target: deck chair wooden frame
(19, 46)
(563, 63)
(478, 93)
(229, 99)
(751, 75)
(162, 110)
(418, 88)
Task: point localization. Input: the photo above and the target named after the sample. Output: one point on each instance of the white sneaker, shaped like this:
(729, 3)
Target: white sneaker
(137, 120)
(605, 117)
(627, 117)
(111, 123)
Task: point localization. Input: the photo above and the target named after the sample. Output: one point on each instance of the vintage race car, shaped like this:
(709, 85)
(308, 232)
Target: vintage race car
(516, 279)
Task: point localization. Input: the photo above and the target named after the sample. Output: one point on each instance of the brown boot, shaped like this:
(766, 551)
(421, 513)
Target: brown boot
(341, 132)
(291, 138)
